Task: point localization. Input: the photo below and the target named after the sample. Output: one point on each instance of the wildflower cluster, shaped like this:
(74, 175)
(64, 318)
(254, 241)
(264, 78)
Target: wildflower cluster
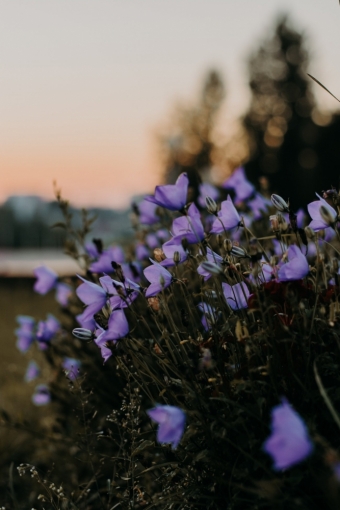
(204, 349)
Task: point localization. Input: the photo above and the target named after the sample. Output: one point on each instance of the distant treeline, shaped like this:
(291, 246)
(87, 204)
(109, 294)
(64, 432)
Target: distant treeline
(27, 222)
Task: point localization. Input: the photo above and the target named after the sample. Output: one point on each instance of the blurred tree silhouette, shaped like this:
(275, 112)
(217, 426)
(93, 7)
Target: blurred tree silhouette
(189, 146)
(284, 129)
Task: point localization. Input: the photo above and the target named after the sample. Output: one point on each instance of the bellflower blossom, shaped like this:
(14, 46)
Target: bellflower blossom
(32, 371)
(105, 352)
(172, 196)
(120, 295)
(318, 222)
(159, 277)
(228, 217)
(63, 292)
(239, 184)
(71, 367)
(207, 190)
(46, 279)
(118, 327)
(289, 442)
(41, 396)
(147, 212)
(212, 257)
(142, 251)
(169, 248)
(46, 330)
(103, 264)
(236, 295)
(189, 227)
(171, 424)
(25, 333)
(258, 206)
(92, 295)
(296, 268)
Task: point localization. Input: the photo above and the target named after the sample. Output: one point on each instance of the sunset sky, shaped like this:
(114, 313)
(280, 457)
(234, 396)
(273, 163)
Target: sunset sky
(85, 84)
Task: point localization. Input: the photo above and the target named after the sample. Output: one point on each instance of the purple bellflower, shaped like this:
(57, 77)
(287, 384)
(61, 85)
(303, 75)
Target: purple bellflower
(210, 316)
(171, 421)
(118, 327)
(236, 295)
(296, 268)
(71, 367)
(103, 264)
(142, 251)
(189, 227)
(238, 182)
(212, 257)
(172, 196)
(121, 295)
(63, 292)
(46, 279)
(258, 206)
(86, 321)
(32, 371)
(227, 219)
(170, 248)
(289, 442)
(105, 352)
(318, 221)
(92, 295)
(92, 250)
(25, 333)
(41, 395)
(207, 190)
(159, 277)
(147, 212)
(46, 330)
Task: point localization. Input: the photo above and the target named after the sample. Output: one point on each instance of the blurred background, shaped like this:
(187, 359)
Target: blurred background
(110, 98)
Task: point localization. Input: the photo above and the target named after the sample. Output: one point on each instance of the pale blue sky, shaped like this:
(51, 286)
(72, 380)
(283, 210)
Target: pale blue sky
(85, 83)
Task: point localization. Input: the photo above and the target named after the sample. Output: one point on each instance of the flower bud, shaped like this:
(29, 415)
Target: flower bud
(228, 245)
(236, 251)
(177, 257)
(211, 205)
(309, 233)
(211, 267)
(219, 240)
(280, 204)
(82, 334)
(326, 215)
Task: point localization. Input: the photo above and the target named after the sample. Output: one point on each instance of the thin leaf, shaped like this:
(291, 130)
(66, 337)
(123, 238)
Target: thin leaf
(317, 81)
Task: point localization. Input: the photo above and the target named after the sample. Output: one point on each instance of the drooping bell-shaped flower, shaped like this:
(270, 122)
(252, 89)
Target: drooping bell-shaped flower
(172, 196)
(170, 248)
(227, 217)
(118, 327)
(46, 330)
(158, 276)
(319, 220)
(46, 279)
(41, 395)
(171, 424)
(120, 295)
(92, 295)
(296, 268)
(71, 367)
(289, 442)
(189, 227)
(32, 371)
(147, 212)
(25, 333)
(63, 292)
(236, 295)
(104, 262)
(239, 183)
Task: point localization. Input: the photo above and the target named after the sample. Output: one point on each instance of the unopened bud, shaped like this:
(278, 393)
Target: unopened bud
(161, 280)
(282, 222)
(82, 334)
(228, 245)
(310, 233)
(280, 204)
(211, 267)
(211, 205)
(177, 257)
(236, 251)
(219, 239)
(326, 215)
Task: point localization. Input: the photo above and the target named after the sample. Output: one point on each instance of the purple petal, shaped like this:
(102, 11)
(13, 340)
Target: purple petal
(46, 279)
(63, 292)
(296, 268)
(32, 371)
(90, 293)
(236, 295)
(172, 196)
(228, 217)
(41, 396)
(118, 327)
(171, 421)
(147, 212)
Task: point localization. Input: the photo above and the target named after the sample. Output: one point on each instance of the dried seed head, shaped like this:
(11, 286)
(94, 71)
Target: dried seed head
(158, 254)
